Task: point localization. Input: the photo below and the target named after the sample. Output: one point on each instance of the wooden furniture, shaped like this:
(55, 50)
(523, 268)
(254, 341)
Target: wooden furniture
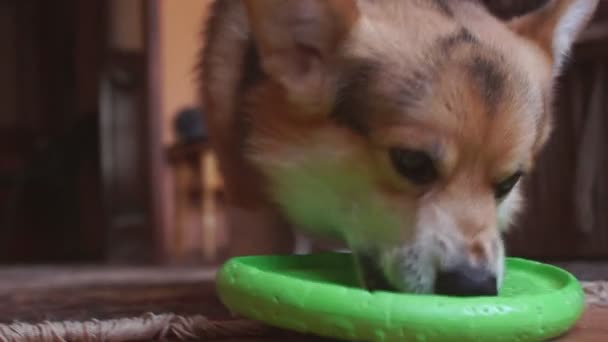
(50, 60)
(198, 193)
(132, 156)
(79, 148)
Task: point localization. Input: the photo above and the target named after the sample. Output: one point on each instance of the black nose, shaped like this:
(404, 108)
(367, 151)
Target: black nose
(466, 281)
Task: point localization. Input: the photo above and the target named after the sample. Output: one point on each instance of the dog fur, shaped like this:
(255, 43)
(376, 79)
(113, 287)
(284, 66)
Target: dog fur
(321, 113)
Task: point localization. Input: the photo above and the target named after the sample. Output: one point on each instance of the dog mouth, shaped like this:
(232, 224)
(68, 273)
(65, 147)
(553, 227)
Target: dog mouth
(371, 274)
(409, 276)
(401, 269)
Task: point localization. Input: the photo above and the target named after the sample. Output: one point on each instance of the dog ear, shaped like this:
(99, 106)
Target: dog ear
(297, 40)
(555, 26)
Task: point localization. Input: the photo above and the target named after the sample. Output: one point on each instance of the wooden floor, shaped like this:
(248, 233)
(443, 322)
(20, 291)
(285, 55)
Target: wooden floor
(593, 327)
(56, 294)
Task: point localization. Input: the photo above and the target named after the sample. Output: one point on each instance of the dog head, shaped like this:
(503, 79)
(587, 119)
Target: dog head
(404, 127)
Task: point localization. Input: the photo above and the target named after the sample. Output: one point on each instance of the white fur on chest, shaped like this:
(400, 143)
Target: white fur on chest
(326, 197)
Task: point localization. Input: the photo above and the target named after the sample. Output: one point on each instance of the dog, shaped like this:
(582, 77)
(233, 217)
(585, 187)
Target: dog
(401, 127)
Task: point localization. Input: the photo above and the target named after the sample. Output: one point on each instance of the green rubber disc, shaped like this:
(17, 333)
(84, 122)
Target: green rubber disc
(318, 294)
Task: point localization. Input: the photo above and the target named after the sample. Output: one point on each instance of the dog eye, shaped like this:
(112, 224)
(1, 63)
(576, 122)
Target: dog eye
(503, 188)
(416, 166)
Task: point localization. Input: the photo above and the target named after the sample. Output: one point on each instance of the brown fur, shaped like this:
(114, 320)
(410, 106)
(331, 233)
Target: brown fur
(320, 89)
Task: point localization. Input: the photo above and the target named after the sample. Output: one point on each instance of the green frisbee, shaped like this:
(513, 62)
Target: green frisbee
(318, 294)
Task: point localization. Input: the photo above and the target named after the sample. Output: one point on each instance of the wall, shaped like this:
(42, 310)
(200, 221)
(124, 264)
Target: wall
(180, 35)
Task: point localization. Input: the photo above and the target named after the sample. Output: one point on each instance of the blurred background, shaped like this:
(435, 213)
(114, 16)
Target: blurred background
(103, 151)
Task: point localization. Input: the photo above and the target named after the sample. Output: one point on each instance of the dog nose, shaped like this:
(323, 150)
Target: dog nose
(466, 281)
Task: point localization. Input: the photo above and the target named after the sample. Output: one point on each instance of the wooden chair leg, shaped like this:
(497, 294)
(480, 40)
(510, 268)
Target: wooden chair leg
(182, 179)
(209, 210)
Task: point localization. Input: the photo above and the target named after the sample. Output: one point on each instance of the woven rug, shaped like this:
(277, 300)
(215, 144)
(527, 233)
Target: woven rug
(169, 327)
(596, 292)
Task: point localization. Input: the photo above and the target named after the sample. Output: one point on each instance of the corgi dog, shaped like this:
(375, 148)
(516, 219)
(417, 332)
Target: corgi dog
(401, 127)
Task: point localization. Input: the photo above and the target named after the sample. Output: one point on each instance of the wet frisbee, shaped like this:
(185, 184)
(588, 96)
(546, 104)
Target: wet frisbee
(318, 294)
